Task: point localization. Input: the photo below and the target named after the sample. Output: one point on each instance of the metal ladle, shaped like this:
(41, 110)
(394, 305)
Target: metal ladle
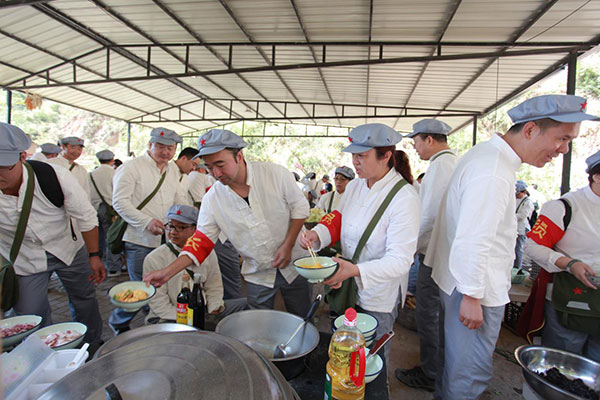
(281, 351)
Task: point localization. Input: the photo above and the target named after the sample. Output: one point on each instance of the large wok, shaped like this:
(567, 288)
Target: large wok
(263, 330)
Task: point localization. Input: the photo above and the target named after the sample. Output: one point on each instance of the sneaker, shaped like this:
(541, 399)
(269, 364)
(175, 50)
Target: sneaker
(415, 378)
(112, 274)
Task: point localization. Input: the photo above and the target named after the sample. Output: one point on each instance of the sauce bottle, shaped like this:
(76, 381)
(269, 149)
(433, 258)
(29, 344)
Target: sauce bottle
(196, 307)
(183, 299)
(347, 364)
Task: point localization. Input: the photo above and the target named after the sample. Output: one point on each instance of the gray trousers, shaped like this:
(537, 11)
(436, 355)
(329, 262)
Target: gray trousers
(135, 266)
(111, 261)
(557, 336)
(427, 318)
(465, 354)
(229, 265)
(80, 291)
(386, 324)
(519, 251)
(296, 295)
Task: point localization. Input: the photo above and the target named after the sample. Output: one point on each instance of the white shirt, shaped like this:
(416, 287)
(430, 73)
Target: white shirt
(324, 201)
(433, 187)
(259, 229)
(78, 171)
(472, 246)
(581, 238)
(132, 183)
(199, 184)
(39, 156)
(524, 210)
(316, 185)
(164, 302)
(103, 177)
(388, 254)
(48, 227)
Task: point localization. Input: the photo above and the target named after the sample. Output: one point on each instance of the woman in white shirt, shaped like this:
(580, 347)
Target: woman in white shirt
(382, 266)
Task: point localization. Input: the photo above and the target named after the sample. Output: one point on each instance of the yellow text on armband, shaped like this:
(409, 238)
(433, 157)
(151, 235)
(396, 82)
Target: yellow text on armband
(328, 219)
(540, 229)
(194, 243)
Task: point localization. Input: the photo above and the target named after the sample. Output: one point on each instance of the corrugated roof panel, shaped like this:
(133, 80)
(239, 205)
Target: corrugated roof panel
(351, 20)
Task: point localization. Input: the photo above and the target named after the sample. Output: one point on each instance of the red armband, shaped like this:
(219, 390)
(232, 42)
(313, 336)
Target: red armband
(545, 232)
(333, 223)
(207, 189)
(199, 245)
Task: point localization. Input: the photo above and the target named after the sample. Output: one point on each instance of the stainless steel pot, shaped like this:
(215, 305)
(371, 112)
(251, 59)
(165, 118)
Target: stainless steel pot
(263, 330)
(188, 365)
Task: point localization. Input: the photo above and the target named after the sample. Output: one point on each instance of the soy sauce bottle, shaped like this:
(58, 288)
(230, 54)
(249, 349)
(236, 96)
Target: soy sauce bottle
(183, 300)
(196, 307)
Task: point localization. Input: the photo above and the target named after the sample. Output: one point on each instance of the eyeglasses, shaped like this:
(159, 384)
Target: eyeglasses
(179, 228)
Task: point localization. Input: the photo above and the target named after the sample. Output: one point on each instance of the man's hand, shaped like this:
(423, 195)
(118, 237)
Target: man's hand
(155, 227)
(579, 270)
(157, 278)
(98, 271)
(283, 256)
(470, 313)
(345, 271)
(308, 239)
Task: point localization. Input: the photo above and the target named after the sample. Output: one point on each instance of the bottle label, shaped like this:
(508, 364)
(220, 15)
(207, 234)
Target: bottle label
(182, 313)
(327, 387)
(190, 316)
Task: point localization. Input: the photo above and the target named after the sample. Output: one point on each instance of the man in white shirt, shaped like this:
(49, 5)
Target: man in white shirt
(260, 209)
(49, 244)
(47, 151)
(431, 143)
(330, 200)
(102, 189)
(472, 244)
(524, 210)
(72, 147)
(200, 182)
(133, 182)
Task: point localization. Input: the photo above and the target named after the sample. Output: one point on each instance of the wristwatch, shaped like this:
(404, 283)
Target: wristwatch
(570, 264)
(94, 254)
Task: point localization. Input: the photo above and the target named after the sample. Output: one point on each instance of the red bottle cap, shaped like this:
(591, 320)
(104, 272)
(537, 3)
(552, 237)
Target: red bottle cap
(350, 317)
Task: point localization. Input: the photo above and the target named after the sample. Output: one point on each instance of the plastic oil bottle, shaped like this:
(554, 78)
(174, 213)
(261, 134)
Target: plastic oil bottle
(346, 365)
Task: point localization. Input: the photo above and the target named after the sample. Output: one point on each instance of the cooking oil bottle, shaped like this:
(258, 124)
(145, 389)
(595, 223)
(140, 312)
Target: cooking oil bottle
(346, 366)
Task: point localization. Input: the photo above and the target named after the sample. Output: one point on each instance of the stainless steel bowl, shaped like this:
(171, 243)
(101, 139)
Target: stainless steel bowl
(539, 359)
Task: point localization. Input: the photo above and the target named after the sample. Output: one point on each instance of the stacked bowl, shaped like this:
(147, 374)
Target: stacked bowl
(366, 323)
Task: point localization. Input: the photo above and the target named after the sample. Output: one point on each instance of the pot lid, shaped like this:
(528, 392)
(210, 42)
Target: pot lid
(176, 366)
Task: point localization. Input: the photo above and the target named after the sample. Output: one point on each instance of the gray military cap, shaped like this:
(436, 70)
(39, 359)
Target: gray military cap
(216, 140)
(164, 136)
(592, 161)
(365, 137)
(50, 148)
(559, 107)
(13, 141)
(105, 155)
(185, 214)
(346, 171)
(520, 186)
(74, 140)
(431, 126)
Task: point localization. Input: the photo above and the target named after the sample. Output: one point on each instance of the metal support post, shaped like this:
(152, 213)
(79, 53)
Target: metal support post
(128, 139)
(8, 106)
(571, 83)
(474, 130)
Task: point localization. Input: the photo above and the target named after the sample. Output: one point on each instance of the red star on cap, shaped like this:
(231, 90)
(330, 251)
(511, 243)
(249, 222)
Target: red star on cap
(350, 139)
(577, 291)
(202, 142)
(178, 212)
(79, 140)
(162, 133)
(583, 106)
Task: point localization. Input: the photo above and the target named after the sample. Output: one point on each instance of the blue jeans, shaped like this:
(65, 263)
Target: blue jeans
(135, 254)
(413, 274)
(519, 251)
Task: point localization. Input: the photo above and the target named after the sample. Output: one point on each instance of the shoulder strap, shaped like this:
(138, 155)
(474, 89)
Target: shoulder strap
(72, 166)
(520, 204)
(441, 153)
(24, 217)
(48, 182)
(173, 249)
(369, 230)
(330, 201)
(98, 191)
(151, 195)
(568, 212)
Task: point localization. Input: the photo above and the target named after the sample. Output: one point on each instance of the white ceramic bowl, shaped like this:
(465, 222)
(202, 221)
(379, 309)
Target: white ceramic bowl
(63, 327)
(316, 275)
(13, 340)
(366, 323)
(373, 368)
(131, 285)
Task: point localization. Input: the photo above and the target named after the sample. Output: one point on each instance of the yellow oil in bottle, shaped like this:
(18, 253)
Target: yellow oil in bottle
(339, 385)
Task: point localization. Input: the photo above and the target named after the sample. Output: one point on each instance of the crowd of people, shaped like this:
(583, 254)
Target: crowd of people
(211, 211)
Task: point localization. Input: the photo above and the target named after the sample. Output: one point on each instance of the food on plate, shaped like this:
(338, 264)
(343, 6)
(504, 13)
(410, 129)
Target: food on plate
(131, 296)
(59, 338)
(15, 329)
(315, 215)
(576, 386)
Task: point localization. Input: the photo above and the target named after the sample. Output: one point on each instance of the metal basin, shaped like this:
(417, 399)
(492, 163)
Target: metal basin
(263, 330)
(539, 359)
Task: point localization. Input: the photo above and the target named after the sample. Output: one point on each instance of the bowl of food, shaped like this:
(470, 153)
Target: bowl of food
(66, 335)
(317, 272)
(558, 374)
(373, 367)
(518, 275)
(366, 323)
(132, 295)
(13, 330)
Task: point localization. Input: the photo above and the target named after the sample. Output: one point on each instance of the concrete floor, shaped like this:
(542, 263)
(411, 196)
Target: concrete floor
(506, 384)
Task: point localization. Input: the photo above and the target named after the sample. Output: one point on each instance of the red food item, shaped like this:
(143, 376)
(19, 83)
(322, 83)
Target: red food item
(60, 338)
(16, 329)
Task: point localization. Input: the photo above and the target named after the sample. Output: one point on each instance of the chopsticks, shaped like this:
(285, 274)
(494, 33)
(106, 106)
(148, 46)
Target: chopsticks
(310, 250)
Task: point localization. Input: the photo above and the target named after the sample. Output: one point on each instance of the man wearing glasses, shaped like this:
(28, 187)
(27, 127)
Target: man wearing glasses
(181, 226)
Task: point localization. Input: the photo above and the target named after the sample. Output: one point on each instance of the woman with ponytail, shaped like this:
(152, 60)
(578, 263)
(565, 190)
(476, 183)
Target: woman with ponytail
(380, 267)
